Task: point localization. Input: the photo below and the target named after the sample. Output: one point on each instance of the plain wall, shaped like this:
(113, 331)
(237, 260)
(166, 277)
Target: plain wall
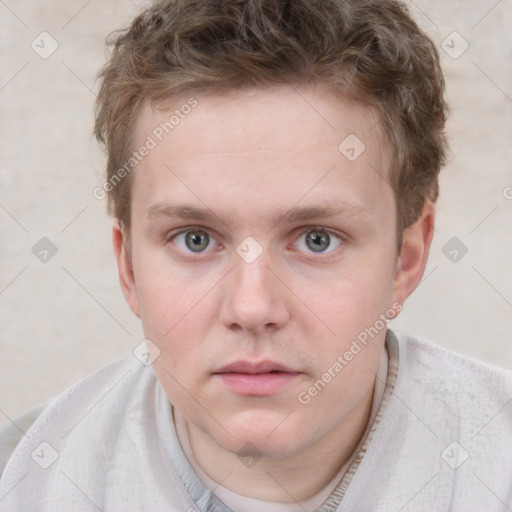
(64, 318)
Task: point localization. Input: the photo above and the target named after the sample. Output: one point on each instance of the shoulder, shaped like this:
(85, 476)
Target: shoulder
(446, 371)
(444, 436)
(65, 410)
(465, 403)
(13, 432)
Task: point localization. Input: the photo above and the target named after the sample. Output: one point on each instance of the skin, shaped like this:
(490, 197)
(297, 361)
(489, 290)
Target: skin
(250, 157)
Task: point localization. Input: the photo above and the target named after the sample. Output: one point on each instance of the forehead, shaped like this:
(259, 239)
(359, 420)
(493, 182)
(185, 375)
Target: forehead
(247, 118)
(273, 146)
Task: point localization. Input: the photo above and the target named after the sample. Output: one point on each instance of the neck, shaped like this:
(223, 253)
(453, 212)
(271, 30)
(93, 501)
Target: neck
(287, 479)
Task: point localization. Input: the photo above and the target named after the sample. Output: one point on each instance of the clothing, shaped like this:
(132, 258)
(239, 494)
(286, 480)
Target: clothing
(441, 440)
(237, 502)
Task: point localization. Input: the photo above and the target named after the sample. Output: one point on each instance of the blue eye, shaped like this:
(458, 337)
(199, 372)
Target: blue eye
(195, 241)
(318, 241)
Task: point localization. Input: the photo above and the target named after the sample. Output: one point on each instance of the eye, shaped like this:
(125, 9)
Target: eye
(195, 241)
(318, 241)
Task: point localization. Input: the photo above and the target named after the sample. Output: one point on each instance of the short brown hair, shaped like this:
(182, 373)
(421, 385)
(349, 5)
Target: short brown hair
(370, 50)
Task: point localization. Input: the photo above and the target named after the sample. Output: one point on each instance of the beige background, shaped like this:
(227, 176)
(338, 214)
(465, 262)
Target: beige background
(62, 319)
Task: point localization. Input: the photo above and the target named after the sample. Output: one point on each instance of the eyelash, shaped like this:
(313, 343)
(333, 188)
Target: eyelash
(171, 236)
(303, 231)
(325, 255)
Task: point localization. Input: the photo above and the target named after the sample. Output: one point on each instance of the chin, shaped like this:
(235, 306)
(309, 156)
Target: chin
(259, 433)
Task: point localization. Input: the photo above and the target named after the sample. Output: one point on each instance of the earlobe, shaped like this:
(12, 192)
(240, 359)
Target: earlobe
(414, 254)
(124, 267)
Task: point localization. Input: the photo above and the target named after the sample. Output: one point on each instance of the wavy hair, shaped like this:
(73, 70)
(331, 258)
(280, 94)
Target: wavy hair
(369, 50)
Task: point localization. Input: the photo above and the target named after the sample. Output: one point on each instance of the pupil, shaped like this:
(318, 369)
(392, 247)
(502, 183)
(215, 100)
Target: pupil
(197, 241)
(318, 241)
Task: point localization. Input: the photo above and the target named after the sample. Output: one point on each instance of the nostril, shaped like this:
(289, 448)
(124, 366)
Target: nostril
(236, 327)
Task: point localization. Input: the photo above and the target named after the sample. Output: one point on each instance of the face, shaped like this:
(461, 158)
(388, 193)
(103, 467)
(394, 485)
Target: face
(261, 249)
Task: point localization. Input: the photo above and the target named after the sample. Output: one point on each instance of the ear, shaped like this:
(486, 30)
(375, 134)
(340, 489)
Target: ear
(414, 254)
(124, 267)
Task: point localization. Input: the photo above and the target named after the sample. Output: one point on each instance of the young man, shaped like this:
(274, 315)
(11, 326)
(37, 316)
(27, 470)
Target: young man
(272, 170)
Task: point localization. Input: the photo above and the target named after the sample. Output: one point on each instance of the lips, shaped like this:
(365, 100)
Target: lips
(256, 378)
(255, 368)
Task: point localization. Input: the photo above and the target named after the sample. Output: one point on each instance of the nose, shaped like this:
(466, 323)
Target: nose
(254, 299)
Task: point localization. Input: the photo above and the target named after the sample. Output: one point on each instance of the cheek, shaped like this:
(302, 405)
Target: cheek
(178, 377)
(345, 360)
(172, 301)
(178, 324)
(183, 362)
(351, 302)
(349, 323)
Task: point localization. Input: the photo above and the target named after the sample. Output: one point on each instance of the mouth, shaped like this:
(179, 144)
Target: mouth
(256, 379)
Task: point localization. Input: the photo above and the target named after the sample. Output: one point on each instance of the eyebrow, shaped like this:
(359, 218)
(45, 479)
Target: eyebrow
(295, 214)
